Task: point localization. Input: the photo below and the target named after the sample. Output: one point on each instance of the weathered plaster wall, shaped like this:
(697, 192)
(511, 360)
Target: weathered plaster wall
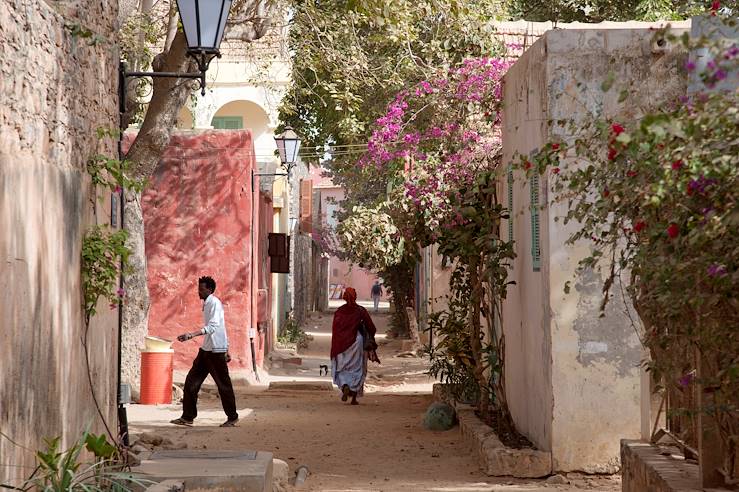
(300, 277)
(197, 211)
(55, 90)
(589, 363)
(525, 311)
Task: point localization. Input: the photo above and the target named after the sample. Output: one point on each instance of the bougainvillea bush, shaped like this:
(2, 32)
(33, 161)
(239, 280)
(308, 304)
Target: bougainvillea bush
(438, 137)
(659, 201)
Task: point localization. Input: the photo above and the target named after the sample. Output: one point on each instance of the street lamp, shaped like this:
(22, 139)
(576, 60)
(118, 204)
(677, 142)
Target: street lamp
(288, 145)
(204, 22)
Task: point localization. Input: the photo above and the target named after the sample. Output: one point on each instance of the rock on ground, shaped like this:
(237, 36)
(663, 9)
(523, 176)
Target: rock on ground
(280, 475)
(439, 416)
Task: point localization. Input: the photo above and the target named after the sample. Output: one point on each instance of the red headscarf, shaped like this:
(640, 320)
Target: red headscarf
(346, 322)
(350, 295)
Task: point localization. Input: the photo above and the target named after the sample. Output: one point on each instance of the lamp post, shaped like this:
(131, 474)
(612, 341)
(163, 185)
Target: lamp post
(204, 23)
(288, 146)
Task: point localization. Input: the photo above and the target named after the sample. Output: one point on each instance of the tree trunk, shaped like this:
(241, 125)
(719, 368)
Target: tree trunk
(136, 304)
(399, 279)
(168, 98)
(476, 335)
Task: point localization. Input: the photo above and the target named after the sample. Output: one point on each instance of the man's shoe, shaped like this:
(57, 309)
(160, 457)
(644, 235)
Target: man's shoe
(181, 421)
(230, 422)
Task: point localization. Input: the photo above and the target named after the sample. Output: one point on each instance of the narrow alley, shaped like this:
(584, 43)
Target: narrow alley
(379, 445)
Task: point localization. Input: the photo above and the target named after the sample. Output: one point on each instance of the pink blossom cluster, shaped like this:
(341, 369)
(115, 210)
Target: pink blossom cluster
(397, 134)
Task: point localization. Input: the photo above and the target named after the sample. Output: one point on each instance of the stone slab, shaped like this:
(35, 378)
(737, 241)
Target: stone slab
(167, 486)
(644, 467)
(495, 458)
(301, 385)
(248, 471)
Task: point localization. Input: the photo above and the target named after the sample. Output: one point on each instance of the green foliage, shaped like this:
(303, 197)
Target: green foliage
(350, 58)
(59, 470)
(76, 30)
(372, 237)
(291, 333)
(467, 355)
(452, 358)
(103, 252)
(138, 34)
(608, 10)
(112, 173)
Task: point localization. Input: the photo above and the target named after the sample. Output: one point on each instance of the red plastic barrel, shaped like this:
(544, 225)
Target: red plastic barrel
(156, 377)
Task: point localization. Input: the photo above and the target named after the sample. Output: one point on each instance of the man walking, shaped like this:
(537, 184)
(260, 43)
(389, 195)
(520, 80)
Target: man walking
(212, 359)
(376, 294)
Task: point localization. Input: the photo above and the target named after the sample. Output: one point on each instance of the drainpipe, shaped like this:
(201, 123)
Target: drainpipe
(251, 330)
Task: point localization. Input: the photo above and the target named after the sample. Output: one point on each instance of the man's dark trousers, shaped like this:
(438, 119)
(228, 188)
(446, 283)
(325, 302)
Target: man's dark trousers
(213, 363)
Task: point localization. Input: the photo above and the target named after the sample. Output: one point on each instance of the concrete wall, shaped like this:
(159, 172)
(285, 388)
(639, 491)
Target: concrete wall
(528, 339)
(573, 378)
(198, 215)
(56, 90)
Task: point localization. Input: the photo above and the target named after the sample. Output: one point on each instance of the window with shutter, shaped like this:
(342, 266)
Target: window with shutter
(306, 206)
(510, 203)
(535, 226)
(227, 122)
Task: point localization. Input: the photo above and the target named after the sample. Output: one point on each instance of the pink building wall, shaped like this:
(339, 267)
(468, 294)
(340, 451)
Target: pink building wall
(340, 272)
(198, 215)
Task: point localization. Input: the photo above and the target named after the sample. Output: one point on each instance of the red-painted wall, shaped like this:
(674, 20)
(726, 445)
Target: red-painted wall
(197, 212)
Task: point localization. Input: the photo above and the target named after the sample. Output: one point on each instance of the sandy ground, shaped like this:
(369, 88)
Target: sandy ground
(379, 445)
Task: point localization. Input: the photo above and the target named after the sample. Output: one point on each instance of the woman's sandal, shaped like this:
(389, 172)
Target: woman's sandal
(345, 392)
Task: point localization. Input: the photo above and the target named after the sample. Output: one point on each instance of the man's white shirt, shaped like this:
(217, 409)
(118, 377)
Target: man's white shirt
(214, 329)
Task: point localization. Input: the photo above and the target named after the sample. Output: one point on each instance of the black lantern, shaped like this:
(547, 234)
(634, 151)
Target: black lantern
(288, 145)
(204, 22)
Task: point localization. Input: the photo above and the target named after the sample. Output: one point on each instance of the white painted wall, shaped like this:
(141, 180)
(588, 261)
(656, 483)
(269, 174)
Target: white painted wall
(573, 377)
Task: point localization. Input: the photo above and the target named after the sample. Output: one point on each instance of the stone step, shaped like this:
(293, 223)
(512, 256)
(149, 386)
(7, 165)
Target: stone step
(249, 471)
(301, 385)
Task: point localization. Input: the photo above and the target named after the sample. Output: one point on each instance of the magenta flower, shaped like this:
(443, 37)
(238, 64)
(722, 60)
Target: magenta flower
(120, 292)
(716, 270)
(686, 379)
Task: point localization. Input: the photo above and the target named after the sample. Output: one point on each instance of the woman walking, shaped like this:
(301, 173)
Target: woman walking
(352, 344)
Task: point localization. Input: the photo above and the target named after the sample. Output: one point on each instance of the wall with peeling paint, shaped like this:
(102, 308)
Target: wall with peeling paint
(573, 376)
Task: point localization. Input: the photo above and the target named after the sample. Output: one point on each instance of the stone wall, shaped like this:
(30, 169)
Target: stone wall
(573, 376)
(56, 89)
(299, 279)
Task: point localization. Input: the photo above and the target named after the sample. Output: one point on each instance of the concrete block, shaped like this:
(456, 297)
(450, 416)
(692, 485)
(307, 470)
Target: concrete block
(280, 471)
(644, 467)
(249, 471)
(500, 461)
(495, 458)
(168, 486)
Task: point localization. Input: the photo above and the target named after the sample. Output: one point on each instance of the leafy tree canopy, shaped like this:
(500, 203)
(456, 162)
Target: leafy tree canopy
(611, 10)
(350, 58)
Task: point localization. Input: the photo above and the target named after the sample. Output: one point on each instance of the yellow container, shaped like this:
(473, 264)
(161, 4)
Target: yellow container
(156, 344)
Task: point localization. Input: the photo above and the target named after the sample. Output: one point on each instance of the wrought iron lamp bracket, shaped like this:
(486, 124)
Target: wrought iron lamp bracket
(202, 58)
